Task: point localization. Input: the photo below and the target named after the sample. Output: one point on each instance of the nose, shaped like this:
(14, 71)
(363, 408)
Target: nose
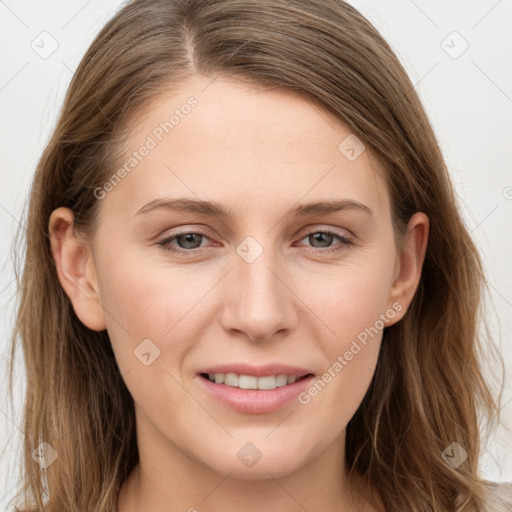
(260, 301)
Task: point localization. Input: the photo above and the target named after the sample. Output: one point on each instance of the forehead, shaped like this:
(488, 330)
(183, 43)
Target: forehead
(240, 144)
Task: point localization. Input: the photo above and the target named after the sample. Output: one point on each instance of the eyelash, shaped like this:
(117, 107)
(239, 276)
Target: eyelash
(346, 242)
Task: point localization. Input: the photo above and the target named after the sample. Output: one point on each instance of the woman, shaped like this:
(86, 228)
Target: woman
(188, 344)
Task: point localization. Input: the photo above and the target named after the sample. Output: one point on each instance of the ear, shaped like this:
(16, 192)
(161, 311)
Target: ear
(408, 265)
(75, 269)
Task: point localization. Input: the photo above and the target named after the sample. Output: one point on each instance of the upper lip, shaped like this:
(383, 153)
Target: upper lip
(258, 371)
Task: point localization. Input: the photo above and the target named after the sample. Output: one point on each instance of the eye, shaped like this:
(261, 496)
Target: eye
(324, 237)
(187, 242)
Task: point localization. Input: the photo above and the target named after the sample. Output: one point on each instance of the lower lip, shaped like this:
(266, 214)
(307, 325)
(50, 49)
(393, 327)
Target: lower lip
(255, 401)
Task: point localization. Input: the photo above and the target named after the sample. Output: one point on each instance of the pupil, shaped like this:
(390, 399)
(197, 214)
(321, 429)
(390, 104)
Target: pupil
(318, 236)
(189, 239)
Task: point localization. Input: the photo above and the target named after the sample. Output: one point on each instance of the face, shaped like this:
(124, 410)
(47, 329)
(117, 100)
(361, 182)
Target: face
(273, 291)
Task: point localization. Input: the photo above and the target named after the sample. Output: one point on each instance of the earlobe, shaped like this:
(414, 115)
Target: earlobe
(75, 269)
(410, 263)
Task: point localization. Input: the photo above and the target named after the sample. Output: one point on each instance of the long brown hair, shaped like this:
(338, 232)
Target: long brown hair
(428, 390)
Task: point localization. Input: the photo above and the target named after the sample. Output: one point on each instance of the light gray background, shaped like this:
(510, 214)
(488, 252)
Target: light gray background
(468, 99)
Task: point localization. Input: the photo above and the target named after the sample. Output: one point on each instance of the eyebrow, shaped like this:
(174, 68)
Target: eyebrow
(214, 209)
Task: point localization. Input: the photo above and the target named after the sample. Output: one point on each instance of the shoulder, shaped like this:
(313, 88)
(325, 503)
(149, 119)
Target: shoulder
(499, 497)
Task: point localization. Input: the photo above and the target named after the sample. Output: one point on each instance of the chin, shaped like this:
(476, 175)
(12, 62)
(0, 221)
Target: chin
(248, 462)
(273, 467)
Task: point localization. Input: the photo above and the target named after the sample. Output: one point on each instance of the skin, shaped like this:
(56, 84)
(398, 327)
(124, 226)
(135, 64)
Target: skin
(259, 153)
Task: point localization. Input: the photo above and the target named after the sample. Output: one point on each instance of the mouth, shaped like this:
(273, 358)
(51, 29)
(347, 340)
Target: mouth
(254, 390)
(242, 381)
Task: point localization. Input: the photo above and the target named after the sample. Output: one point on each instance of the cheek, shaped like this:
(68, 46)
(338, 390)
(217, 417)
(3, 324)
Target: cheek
(142, 301)
(332, 400)
(353, 304)
(351, 354)
(147, 294)
(349, 298)
(151, 321)
(147, 298)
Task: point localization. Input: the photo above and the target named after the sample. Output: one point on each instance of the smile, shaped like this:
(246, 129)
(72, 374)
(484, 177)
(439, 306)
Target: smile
(251, 381)
(251, 394)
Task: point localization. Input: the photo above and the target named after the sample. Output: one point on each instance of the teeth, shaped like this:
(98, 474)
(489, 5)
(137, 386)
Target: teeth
(281, 380)
(246, 382)
(231, 379)
(268, 382)
(252, 382)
